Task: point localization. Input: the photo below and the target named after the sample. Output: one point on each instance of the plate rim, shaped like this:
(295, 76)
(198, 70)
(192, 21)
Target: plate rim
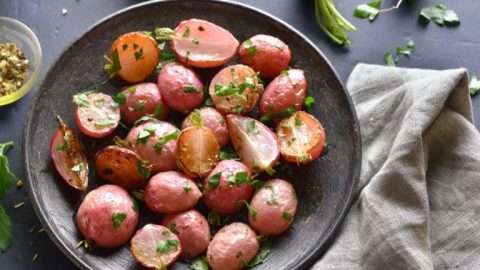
(307, 260)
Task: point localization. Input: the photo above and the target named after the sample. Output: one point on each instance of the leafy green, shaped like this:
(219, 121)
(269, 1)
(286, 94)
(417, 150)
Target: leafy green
(199, 263)
(332, 22)
(228, 153)
(7, 178)
(5, 230)
(163, 33)
(196, 118)
(440, 15)
(474, 85)
(261, 256)
(308, 102)
(118, 218)
(251, 49)
(406, 51)
(164, 140)
(190, 89)
(120, 98)
(158, 110)
(238, 179)
(112, 65)
(251, 211)
(165, 246)
(370, 10)
(251, 127)
(214, 180)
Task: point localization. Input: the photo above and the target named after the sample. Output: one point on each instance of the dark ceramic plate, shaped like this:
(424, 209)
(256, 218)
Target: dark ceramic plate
(324, 187)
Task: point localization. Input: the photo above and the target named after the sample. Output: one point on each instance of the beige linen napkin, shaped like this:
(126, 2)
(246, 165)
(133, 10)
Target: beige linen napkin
(417, 205)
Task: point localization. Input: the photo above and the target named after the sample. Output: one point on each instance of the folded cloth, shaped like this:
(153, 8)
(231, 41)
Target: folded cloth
(417, 204)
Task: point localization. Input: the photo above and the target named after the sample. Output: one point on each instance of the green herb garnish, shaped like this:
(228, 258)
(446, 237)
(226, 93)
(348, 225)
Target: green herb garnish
(117, 219)
(370, 10)
(105, 122)
(164, 140)
(238, 179)
(287, 216)
(158, 111)
(196, 118)
(251, 211)
(112, 65)
(214, 180)
(261, 255)
(163, 33)
(308, 102)
(81, 99)
(228, 153)
(251, 49)
(186, 33)
(165, 246)
(138, 54)
(144, 134)
(199, 263)
(190, 89)
(406, 51)
(120, 98)
(7, 180)
(298, 121)
(388, 59)
(186, 187)
(251, 127)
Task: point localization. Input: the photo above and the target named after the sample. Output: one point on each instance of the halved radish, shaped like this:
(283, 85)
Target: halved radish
(121, 166)
(197, 151)
(133, 57)
(202, 44)
(235, 89)
(301, 137)
(155, 246)
(254, 142)
(97, 115)
(68, 157)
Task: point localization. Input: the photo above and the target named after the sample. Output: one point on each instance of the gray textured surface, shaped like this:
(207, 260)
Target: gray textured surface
(324, 186)
(437, 48)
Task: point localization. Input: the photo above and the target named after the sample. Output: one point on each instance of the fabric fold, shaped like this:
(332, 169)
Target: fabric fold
(415, 201)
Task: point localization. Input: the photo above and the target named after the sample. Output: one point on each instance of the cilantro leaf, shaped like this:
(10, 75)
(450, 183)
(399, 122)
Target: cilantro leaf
(164, 140)
(112, 65)
(370, 10)
(214, 180)
(308, 102)
(388, 59)
(165, 246)
(261, 255)
(228, 153)
(7, 178)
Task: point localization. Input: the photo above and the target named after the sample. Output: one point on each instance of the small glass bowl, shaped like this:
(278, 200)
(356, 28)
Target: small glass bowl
(15, 31)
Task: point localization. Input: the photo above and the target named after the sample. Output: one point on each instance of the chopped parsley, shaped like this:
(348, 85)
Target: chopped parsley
(186, 33)
(81, 99)
(261, 255)
(120, 98)
(251, 49)
(163, 33)
(112, 65)
(199, 263)
(308, 102)
(286, 113)
(196, 118)
(117, 219)
(284, 72)
(406, 51)
(388, 59)
(132, 89)
(287, 216)
(186, 187)
(214, 180)
(144, 134)
(195, 41)
(251, 211)
(190, 89)
(105, 122)
(78, 167)
(238, 179)
(228, 153)
(233, 88)
(173, 228)
(140, 105)
(370, 10)
(164, 140)
(158, 111)
(99, 102)
(166, 246)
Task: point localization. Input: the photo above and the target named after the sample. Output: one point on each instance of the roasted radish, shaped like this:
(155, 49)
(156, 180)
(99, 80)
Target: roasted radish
(235, 89)
(155, 247)
(301, 138)
(202, 44)
(68, 157)
(254, 142)
(227, 187)
(274, 205)
(212, 119)
(121, 166)
(171, 192)
(265, 54)
(286, 91)
(97, 115)
(133, 57)
(107, 216)
(197, 151)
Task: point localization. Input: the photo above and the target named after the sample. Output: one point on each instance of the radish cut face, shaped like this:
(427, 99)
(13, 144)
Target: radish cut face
(254, 142)
(301, 137)
(69, 157)
(202, 44)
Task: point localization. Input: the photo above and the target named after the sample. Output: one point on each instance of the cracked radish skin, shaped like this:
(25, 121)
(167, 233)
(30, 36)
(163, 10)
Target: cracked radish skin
(97, 115)
(192, 229)
(140, 100)
(171, 192)
(254, 142)
(181, 88)
(213, 120)
(275, 205)
(232, 247)
(202, 44)
(155, 142)
(155, 247)
(107, 216)
(301, 137)
(235, 89)
(287, 90)
(265, 54)
(226, 187)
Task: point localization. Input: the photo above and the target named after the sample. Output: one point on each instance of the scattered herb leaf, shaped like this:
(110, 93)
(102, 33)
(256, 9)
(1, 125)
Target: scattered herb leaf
(190, 89)
(112, 65)
(214, 180)
(474, 85)
(117, 219)
(251, 49)
(199, 263)
(165, 246)
(440, 15)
